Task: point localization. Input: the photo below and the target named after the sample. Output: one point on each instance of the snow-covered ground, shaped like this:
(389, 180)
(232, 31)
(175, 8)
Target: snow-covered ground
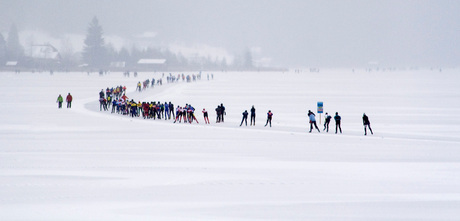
(84, 164)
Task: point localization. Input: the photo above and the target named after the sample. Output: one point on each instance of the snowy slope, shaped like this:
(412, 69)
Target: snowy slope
(84, 164)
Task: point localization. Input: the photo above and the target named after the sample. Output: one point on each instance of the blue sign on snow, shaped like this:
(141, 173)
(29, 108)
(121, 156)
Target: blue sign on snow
(320, 107)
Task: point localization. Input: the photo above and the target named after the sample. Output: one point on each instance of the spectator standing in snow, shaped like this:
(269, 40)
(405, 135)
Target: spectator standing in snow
(69, 101)
(327, 118)
(366, 123)
(245, 118)
(59, 101)
(269, 118)
(253, 115)
(337, 119)
(311, 115)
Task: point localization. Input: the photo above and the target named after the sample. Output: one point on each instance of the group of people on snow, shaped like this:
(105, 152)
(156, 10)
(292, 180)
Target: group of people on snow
(220, 112)
(121, 104)
(253, 117)
(68, 99)
(327, 120)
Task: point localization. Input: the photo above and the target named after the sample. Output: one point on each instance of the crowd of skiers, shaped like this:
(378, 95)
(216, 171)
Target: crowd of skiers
(111, 95)
(169, 79)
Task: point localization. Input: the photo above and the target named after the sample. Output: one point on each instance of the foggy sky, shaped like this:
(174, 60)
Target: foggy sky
(292, 33)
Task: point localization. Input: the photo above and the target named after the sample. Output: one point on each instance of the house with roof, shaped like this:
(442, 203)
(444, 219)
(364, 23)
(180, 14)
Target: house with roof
(155, 64)
(44, 56)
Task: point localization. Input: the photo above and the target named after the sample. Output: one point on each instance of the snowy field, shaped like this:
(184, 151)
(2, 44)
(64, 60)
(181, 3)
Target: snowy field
(84, 164)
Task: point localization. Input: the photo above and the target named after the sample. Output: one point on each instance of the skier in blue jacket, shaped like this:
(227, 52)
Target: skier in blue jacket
(311, 115)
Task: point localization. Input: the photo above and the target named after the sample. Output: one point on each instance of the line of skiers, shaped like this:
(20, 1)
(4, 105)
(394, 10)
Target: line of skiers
(312, 121)
(165, 110)
(113, 94)
(338, 128)
(110, 95)
(148, 110)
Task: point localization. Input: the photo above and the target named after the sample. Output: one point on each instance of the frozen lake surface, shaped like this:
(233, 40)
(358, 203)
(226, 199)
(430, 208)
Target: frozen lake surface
(84, 164)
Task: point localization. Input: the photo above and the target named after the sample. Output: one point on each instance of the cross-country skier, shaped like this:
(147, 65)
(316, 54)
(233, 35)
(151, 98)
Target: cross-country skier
(337, 119)
(178, 114)
(171, 109)
(133, 106)
(327, 118)
(311, 115)
(245, 118)
(167, 116)
(269, 118)
(191, 111)
(219, 114)
(114, 105)
(138, 88)
(253, 116)
(366, 123)
(223, 112)
(205, 116)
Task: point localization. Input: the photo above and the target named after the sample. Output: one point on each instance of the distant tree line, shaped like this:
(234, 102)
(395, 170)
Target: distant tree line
(98, 55)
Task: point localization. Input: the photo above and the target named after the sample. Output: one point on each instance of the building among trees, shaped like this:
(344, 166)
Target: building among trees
(44, 56)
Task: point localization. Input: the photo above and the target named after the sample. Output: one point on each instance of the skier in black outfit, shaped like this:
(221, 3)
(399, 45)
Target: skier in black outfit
(269, 118)
(219, 114)
(253, 115)
(337, 119)
(367, 123)
(326, 123)
(223, 112)
(171, 110)
(245, 118)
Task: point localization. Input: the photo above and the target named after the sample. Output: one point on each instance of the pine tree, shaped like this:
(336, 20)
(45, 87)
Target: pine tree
(14, 50)
(2, 50)
(94, 52)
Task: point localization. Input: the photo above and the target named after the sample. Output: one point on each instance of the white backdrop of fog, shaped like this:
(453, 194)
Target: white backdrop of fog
(284, 32)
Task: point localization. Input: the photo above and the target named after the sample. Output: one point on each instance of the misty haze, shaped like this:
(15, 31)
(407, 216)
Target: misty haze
(222, 34)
